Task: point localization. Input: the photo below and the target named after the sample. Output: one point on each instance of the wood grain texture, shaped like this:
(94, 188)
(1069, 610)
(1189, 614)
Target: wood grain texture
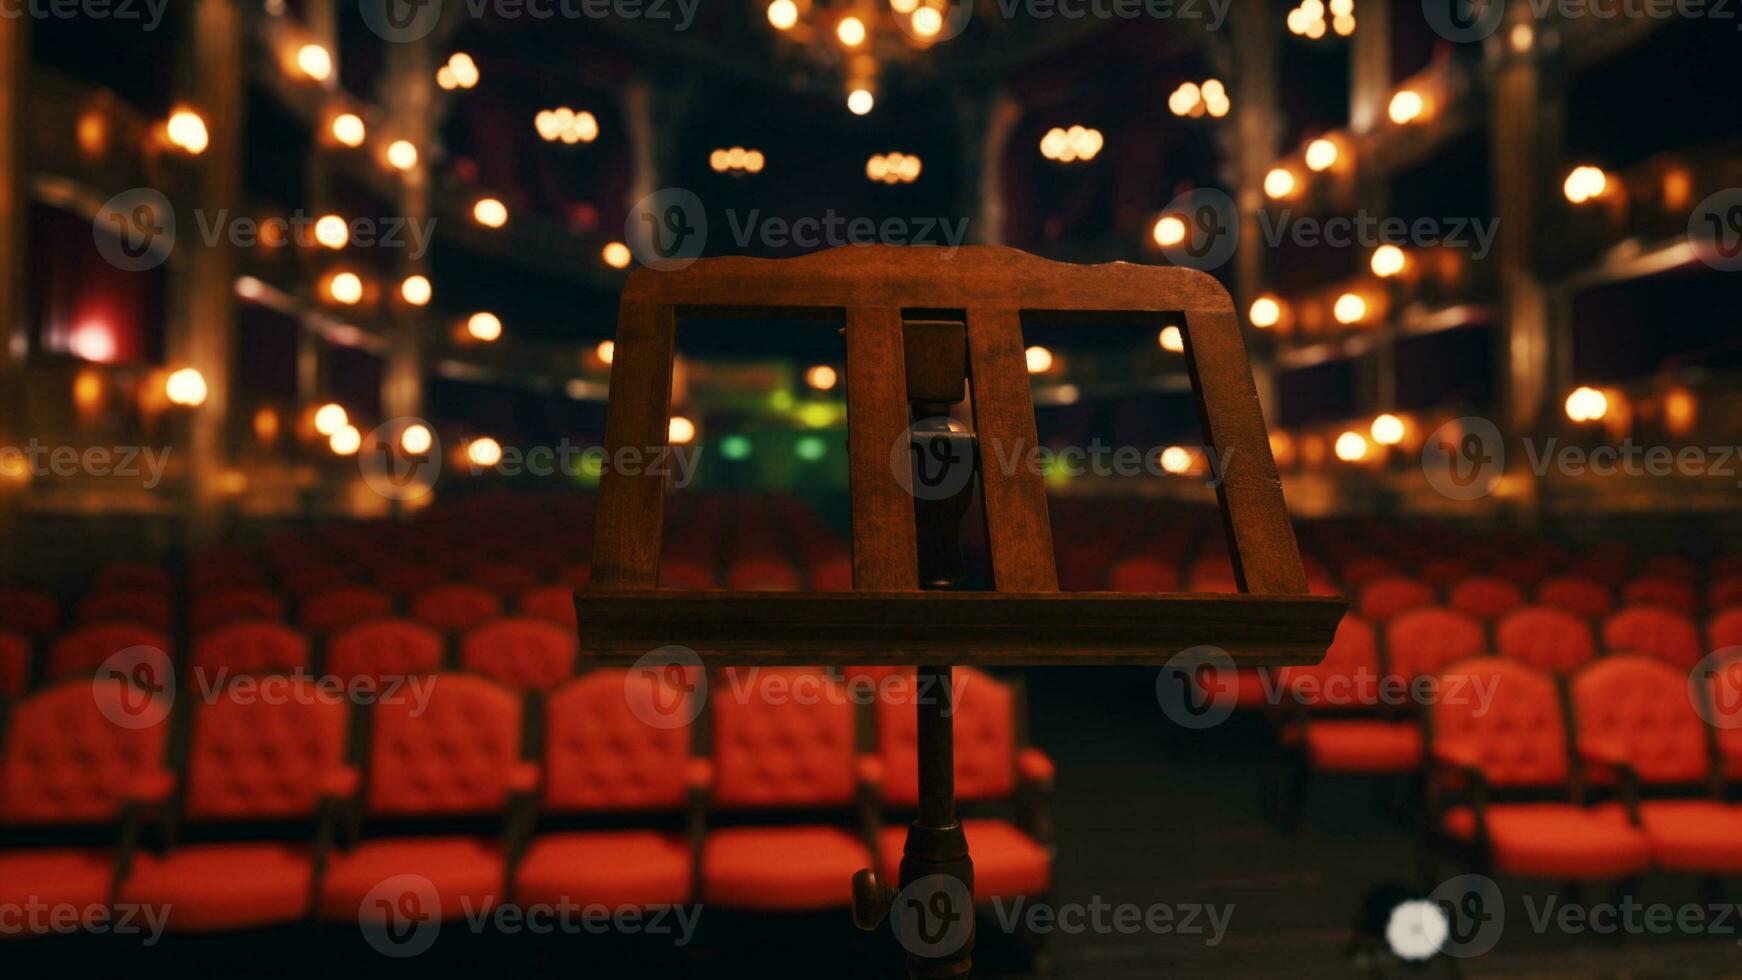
(1018, 530)
(631, 519)
(957, 628)
(885, 551)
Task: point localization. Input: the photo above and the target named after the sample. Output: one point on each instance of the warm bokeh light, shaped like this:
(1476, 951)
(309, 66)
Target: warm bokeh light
(860, 101)
(332, 231)
(1078, 143)
(416, 290)
(1350, 308)
(484, 326)
(1266, 312)
(401, 155)
(463, 69)
(483, 451)
(266, 426)
(893, 168)
(822, 377)
(927, 22)
(187, 129)
(1680, 409)
(616, 255)
(490, 212)
(1176, 460)
(1406, 107)
(1587, 404)
(345, 288)
(1169, 230)
(850, 31)
(186, 387)
(606, 350)
(349, 130)
(1585, 184)
(783, 14)
(346, 440)
(1039, 360)
(330, 418)
(681, 431)
(315, 61)
(1172, 340)
(1351, 447)
(1387, 430)
(1279, 183)
(416, 439)
(1321, 154)
(1388, 261)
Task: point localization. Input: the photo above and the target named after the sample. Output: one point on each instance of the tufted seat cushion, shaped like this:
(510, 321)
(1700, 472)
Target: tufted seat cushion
(1693, 836)
(455, 607)
(265, 757)
(73, 876)
(524, 653)
(1363, 745)
(985, 737)
(1485, 598)
(384, 648)
(1557, 841)
(1007, 862)
(76, 752)
(555, 603)
(460, 755)
(1545, 637)
(1670, 593)
(247, 647)
(1386, 597)
(783, 737)
(601, 755)
(781, 868)
(467, 872)
(81, 651)
(1422, 641)
(612, 868)
(1636, 709)
(1655, 632)
(209, 887)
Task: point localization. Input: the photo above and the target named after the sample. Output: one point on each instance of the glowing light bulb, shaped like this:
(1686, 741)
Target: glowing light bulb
(1349, 308)
(850, 31)
(1388, 261)
(346, 288)
(860, 101)
(484, 326)
(1171, 340)
(821, 377)
(332, 231)
(416, 439)
(606, 350)
(483, 451)
(1351, 447)
(1266, 312)
(315, 61)
(1406, 107)
(616, 255)
(330, 418)
(187, 130)
(1039, 359)
(346, 440)
(490, 212)
(1176, 460)
(1587, 404)
(1387, 430)
(1279, 183)
(1321, 155)
(416, 290)
(401, 155)
(681, 431)
(349, 130)
(186, 387)
(927, 21)
(783, 14)
(1169, 230)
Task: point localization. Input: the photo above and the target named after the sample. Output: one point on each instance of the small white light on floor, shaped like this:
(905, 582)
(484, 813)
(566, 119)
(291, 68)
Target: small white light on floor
(1416, 930)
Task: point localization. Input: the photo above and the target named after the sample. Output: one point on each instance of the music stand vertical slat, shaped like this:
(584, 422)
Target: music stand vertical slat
(632, 493)
(885, 543)
(1018, 530)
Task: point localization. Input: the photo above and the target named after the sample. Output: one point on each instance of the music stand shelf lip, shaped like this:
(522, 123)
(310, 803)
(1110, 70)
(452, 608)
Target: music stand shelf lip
(727, 628)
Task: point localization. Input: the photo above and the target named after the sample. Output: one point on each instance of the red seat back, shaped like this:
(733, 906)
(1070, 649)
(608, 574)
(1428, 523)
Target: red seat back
(1725, 629)
(342, 606)
(28, 611)
(1517, 739)
(1546, 638)
(247, 648)
(307, 580)
(985, 736)
(84, 649)
(1441, 572)
(1351, 663)
(147, 607)
(524, 653)
(259, 757)
(1725, 593)
(1640, 707)
(504, 579)
(1421, 641)
(456, 608)
(126, 576)
(1581, 596)
(600, 755)
(455, 758)
(783, 737)
(1670, 593)
(552, 603)
(14, 663)
(401, 579)
(67, 759)
(232, 605)
(1485, 598)
(1143, 573)
(1655, 632)
(1384, 598)
(384, 648)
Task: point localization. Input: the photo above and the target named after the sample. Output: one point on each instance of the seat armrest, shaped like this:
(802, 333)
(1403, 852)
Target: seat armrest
(1610, 755)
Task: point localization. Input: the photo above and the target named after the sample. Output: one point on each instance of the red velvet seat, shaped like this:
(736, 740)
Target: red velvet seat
(1725, 630)
(458, 758)
(1363, 746)
(230, 605)
(777, 749)
(1440, 573)
(524, 653)
(29, 612)
(1143, 573)
(14, 663)
(1580, 596)
(85, 648)
(346, 605)
(252, 758)
(553, 603)
(601, 757)
(1694, 836)
(147, 607)
(1512, 742)
(1724, 593)
(1656, 632)
(1007, 862)
(1485, 598)
(383, 648)
(1670, 593)
(455, 608)
(408, 579)
(1422, 641)
(247, 648)
(503, 578)
(1547, 638)
(69, 764)
(306, 581)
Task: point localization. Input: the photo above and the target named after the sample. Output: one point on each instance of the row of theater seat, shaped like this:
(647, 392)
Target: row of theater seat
(286, 808)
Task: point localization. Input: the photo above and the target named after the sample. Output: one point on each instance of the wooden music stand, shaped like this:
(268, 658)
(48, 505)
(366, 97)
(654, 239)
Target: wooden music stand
(919, 322)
